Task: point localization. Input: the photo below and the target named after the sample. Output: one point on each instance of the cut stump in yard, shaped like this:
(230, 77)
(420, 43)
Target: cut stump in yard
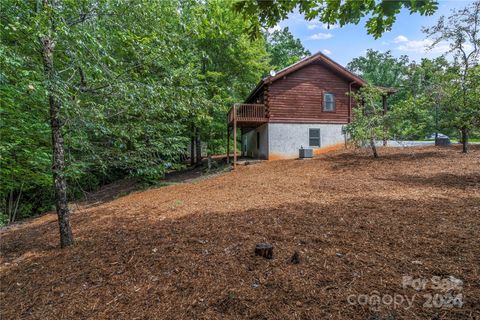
(264, 250)
(295, 258)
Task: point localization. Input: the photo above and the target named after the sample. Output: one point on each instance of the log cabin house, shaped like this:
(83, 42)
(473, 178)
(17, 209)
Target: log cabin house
(304, 105)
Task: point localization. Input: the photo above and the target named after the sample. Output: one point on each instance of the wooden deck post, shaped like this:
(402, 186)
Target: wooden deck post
(234, 136)
(228, 142)
(241, 142)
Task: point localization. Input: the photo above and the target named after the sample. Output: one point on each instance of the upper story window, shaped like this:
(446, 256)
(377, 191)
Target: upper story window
(329, 102)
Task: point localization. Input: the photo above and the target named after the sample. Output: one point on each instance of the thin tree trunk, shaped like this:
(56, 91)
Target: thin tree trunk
(464, 140)
(209, 162)
(10, 206)
(374, 148)
(198, 148)
(228, 144)
(192, 147)
(58, 166)
(14, 215)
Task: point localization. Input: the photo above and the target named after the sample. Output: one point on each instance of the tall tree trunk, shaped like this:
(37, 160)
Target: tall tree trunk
(14, 214)
(192, 147)
(374, 148)
(464, 140)
(198, 148)
(10, 206)
(209, 161)
(58, 166)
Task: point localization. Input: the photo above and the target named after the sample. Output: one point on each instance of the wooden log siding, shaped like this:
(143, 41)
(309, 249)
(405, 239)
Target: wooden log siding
(267, 99)
(298, 97)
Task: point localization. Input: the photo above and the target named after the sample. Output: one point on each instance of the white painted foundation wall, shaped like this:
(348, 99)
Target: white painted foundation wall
(283, 140)
(249, 143)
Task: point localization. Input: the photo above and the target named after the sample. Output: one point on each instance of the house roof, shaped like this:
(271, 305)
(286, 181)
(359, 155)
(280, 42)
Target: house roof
(308, 60)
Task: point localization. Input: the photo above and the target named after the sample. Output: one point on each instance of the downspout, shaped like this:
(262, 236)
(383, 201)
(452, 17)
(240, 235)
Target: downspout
(350, 101)
(349, 109)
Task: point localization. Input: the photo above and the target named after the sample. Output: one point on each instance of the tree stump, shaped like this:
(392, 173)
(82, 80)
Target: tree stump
(295, 258)
(264, 250)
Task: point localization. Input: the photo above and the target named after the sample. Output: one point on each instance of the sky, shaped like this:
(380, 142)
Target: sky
(350, 41)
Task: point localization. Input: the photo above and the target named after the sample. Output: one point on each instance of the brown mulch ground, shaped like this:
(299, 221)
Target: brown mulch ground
(125, 186)
(186, 251)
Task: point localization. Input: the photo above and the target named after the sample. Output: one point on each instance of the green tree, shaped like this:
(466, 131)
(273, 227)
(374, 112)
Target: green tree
(414, 112)
(369, 120)
(133, 93)
(412, 118)
(414, 109)
(384, 70)
(25, 148)
(380, 68)
(382, 14)
(423, 76)
(230, 65)
(129, 80)
(284, 49)
(462, 31)
(460, 109)
(107, 79)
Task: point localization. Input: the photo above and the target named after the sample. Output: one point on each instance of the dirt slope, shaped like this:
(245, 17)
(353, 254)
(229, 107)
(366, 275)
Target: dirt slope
(186, 251)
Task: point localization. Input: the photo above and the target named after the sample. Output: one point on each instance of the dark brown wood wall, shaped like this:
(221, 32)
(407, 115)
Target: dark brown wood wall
(299, 96)
(259, 97)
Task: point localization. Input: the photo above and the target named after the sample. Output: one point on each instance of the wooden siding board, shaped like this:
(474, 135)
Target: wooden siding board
(299, 96)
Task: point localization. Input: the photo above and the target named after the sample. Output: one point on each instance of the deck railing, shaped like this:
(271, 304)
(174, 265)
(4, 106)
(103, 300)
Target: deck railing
(247, 113)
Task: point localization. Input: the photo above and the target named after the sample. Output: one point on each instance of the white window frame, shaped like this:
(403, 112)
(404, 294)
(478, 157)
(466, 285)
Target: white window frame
(310, 138)
(333, 102)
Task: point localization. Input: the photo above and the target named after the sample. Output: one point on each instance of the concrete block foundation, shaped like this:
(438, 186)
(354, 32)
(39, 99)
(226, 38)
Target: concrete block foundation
(283, 140)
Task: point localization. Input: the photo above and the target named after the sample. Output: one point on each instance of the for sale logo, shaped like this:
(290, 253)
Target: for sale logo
(449, 291)
(447, 294)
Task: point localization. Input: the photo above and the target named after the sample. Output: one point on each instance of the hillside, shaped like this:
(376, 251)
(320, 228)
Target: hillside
(186, 251)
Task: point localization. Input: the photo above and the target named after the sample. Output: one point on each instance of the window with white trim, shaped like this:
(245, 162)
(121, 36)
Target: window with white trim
(314, 137)
(329, 102)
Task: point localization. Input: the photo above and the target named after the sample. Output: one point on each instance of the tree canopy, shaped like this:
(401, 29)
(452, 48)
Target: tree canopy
(132, 79)
(461, 30)
(284, 49)
(261, 13)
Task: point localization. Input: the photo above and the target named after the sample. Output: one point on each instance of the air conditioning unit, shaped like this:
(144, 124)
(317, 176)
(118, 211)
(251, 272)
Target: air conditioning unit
(305, 153)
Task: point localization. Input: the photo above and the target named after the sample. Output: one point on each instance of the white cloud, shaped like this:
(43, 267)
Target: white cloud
(326, 51)
(320, 36)
(421, 46)
(400, 39)
(276, 28)
(316, 25)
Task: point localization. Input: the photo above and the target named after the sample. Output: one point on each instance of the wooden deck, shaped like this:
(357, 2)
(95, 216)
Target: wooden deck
(247, 115)
(243, 115)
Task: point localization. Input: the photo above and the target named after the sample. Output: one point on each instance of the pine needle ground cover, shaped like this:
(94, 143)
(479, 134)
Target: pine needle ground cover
(361, 228)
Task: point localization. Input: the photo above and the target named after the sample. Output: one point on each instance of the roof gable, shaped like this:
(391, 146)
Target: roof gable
(337, 68)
